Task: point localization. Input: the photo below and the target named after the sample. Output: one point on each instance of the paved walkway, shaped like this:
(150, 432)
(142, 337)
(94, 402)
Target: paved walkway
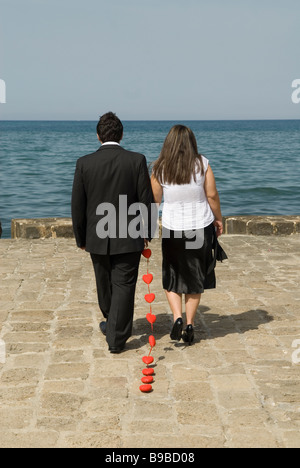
(236, 387)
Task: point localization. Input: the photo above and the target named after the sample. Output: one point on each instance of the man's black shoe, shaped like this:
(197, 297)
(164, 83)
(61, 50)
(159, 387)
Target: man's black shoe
(102, 327)
(115, 350)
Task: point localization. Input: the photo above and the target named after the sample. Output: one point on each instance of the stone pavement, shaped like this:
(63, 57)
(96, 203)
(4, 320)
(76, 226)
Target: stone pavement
(238, 386)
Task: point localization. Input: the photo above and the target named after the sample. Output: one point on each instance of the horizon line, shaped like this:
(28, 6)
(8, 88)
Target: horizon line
(152, 120)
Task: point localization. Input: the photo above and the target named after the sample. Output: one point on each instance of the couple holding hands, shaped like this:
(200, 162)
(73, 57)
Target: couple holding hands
(191, 224)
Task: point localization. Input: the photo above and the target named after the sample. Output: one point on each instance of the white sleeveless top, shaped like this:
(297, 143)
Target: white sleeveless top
(186, 206)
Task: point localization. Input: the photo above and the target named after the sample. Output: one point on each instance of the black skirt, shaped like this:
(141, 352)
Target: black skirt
(188, 260)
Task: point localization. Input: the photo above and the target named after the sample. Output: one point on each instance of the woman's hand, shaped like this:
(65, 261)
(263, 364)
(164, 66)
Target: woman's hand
(219, 226)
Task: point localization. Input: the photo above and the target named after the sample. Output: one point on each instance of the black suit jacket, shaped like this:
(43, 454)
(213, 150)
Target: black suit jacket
(100, 178)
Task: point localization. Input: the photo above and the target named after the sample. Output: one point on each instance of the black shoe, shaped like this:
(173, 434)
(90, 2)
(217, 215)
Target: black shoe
(176, 333)
(188, 335)
(113, 350)
(102, 327)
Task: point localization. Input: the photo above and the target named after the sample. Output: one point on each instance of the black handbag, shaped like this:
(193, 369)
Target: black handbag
(219, 254)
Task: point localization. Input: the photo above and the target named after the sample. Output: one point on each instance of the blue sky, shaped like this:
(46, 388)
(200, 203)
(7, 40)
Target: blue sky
(158, 59)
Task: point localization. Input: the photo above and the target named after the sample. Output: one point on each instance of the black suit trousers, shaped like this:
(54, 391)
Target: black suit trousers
(116, 278)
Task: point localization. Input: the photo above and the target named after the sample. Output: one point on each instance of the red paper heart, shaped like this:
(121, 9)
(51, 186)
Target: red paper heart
(152, 341)
(148, 278)
(148, 372)
(151, 318)
(147, 380)
(150, 298)
(146, 388)
(147, 253)
(148, 360)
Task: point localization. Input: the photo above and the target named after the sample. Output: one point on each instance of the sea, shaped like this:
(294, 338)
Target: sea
(256, 163)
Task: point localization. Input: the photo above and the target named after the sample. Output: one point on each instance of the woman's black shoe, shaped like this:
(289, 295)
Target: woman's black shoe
(189, 336)
(176, 333)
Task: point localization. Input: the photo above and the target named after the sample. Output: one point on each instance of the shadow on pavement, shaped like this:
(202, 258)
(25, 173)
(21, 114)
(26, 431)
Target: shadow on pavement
(208, 325)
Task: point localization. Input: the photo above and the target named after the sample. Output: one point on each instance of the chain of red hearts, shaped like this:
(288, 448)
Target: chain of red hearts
(148, 373)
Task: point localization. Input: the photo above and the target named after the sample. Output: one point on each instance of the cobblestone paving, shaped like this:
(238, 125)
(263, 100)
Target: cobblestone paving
(238, 386)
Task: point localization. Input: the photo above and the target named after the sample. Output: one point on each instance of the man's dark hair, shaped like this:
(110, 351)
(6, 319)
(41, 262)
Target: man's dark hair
(110, 128)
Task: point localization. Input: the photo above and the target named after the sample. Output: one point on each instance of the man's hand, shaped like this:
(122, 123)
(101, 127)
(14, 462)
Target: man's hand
(146, 243)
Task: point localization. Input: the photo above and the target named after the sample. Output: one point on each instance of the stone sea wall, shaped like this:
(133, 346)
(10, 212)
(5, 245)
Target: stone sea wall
(41, 228)
(45, 228)
(262, 225)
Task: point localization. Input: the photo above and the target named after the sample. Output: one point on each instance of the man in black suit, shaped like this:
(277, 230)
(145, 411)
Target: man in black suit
(108, 185)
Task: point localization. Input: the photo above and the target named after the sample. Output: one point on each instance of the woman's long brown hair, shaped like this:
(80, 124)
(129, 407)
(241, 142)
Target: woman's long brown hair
(179, 159)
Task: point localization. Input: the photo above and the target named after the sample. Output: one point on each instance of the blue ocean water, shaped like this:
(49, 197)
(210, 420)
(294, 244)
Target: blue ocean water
(256, 163)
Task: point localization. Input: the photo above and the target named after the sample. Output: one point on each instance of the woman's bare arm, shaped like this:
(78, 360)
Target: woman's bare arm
(157, 190)
(213, 199)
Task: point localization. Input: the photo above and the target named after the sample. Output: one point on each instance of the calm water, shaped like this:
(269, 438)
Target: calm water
(256, 163)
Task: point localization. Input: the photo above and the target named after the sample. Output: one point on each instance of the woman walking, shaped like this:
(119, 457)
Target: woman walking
(191, 221)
